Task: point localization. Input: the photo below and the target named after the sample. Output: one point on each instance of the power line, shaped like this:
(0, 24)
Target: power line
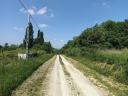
(21, 2)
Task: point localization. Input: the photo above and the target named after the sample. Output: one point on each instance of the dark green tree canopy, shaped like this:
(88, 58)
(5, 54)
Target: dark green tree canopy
(30, 31)
(40, 38)
(109, 34)
(37, 43)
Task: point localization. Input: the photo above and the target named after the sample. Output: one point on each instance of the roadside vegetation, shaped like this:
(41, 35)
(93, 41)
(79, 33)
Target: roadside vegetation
(14, 71)
(110, 63)
(111, 86)
(106, 45)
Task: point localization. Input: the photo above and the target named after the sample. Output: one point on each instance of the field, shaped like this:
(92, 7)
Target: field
(108, 67)
(109, 62)
(90, 69)
(14, 71)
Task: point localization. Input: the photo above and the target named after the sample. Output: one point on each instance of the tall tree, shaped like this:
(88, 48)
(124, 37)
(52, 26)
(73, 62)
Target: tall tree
(29, 31)
(40, 38)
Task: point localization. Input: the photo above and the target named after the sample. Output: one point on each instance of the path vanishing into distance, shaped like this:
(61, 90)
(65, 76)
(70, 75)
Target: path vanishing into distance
(58, 77)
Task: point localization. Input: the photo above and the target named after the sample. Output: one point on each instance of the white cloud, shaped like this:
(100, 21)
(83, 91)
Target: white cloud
(42, 11)
(43, 25)
(31, 10)
(18, 29)
(34, 11)
(105, 4)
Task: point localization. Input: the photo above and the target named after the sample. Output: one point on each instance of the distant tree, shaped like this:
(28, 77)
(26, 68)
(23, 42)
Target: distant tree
(13, 47)
(6, 46)
(126, 20)
(24, 43)
(40, 38)
(1, 46)
(109, 34)
(48, 47)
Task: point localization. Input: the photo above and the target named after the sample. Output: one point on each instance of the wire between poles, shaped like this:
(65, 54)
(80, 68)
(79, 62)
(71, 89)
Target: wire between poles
(21, 2)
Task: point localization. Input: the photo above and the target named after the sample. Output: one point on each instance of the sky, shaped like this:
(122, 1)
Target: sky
(60, 20)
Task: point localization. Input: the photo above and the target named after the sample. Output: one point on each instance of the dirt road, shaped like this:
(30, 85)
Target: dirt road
(62, 79)
(84, 86)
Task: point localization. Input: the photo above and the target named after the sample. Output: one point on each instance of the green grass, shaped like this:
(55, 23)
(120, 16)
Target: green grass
(110, 63)
(14, 71)
(113, 56)
(93, 69)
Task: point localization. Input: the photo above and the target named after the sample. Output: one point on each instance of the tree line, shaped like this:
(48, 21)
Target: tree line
(34, 43)
(95, 44)
(107, 35)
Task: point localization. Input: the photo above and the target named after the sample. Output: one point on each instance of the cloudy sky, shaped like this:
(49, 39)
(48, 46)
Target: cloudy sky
(60, 20)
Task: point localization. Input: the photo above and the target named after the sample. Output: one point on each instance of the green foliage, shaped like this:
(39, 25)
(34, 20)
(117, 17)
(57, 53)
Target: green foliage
(109, 34)
(14, 71)
(30, 31)
(48, 47)
(8, 47)
(109, 62)
(37, 43)
(40, 39)
(96, 43)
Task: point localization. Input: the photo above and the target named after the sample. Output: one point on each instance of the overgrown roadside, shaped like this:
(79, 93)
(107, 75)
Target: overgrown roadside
(14, 71)
(114, 88)
(33, 85)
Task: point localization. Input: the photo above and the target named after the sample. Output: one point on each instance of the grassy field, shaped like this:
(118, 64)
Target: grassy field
(112, 56)
(96, 72)
(14, 71)
(109, 62)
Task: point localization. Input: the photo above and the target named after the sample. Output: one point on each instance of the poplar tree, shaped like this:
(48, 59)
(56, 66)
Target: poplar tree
(30, 31)
(40, 38)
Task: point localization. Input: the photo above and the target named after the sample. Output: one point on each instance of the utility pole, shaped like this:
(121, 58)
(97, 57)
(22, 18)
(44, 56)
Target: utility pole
(28, 37)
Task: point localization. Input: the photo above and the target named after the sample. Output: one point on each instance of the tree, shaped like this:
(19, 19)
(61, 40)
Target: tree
(6, 46)
(108, 34)
(29, 31)
(48, 47)
(1, 46)
(13, 47)
(40, 39)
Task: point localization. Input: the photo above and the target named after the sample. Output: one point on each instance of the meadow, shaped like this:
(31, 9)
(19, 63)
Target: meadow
(14, 71)
(112, 62)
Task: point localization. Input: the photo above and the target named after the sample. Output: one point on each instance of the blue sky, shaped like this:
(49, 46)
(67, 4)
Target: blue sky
(60, 20)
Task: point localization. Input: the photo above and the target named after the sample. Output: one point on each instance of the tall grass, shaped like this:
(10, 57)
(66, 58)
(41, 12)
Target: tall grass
(108, 62)
(14, 71)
